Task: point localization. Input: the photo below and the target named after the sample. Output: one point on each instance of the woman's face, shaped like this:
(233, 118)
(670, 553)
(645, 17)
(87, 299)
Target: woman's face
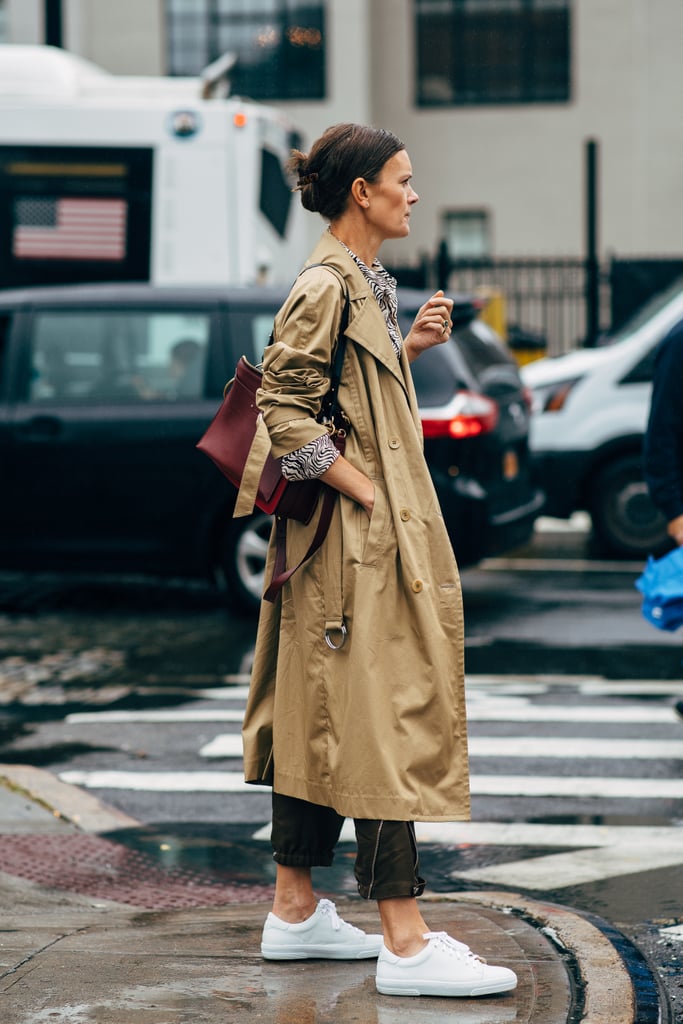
(391, 197)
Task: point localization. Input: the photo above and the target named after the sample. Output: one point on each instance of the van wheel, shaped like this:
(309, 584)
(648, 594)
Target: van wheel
(243, 560)
(625, 521)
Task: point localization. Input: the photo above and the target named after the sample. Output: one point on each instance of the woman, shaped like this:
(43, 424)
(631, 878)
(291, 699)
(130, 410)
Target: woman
(356, 705)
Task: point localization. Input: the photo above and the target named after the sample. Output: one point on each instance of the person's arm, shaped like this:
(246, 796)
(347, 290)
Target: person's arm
(296, 366)
(675, 529)
(663, 442)
(350, 481)
(296, 378)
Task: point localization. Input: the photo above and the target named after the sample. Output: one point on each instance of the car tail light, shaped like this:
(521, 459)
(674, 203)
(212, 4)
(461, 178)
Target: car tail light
(468, 414)
(552, 397)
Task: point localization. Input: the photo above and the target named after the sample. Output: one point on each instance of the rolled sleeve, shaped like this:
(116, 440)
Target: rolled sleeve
(296, 366)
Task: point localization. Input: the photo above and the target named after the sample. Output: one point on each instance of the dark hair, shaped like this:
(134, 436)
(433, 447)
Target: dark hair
(185, 351)
(343, 153)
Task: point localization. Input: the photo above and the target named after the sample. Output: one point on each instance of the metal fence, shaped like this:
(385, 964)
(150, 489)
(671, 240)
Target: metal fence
(542, 296)
(566, 302)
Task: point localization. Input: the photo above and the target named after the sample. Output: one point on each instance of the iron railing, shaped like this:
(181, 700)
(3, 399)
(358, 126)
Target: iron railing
(567, 302)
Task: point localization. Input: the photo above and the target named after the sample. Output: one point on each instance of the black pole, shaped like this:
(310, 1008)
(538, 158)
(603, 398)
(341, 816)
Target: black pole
(442, 265)
(53, 22)
(592, 264)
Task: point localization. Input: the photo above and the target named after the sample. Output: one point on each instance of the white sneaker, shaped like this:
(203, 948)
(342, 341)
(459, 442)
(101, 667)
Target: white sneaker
(445, 967)
(323, 935)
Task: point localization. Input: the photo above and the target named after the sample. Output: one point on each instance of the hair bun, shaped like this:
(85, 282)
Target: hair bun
(307, 179)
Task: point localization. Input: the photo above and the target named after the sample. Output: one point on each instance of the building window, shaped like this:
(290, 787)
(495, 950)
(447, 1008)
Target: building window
(279, 44)
(467, 234)
(492, 51)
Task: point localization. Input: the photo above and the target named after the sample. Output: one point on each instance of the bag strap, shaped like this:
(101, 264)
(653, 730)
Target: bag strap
(329, 402)
(329, 407)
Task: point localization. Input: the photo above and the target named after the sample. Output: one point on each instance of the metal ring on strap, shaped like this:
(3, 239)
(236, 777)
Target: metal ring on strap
(336, 629)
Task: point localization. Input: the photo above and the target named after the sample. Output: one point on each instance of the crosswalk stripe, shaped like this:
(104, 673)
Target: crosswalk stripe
(478, 710)
(493, 710)
(575, 747)
(577, 786)
(177, 716)
(560, 870)
(230, 745)
(511, 833)
(494, 684)
(225, 745)
(481, 785)
(632, 687)
(162, 782)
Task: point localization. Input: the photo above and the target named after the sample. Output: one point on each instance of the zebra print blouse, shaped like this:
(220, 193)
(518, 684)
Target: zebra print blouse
(314, 458)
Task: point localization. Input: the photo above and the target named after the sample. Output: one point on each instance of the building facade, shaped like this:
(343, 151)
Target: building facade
(495, 100)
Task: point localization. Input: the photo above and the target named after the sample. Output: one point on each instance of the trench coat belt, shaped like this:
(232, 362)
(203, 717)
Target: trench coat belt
(253, 468)
(335, 627)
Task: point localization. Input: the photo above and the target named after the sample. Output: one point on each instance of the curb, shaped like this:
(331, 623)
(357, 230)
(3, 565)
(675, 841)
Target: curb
(603, 988)
(64, 801)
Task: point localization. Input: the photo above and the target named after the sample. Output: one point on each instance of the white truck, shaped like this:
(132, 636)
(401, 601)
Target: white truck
(117, 178)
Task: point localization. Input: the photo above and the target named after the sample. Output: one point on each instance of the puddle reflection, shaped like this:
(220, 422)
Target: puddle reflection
(480, 1013)
(296, 996)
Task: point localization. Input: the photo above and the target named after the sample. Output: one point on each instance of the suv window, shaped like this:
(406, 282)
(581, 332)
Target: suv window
(100, 356)
(643, 371)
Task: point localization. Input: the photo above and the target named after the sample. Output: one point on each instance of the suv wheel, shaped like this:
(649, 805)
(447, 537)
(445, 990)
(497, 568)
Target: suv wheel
(243, 561)
(625, 521)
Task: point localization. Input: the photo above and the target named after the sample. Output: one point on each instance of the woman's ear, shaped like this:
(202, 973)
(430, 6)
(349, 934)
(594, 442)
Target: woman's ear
(359, 191)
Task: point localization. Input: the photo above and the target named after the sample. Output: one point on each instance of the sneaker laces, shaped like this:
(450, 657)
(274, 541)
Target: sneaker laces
(328, 908)
(454, 947)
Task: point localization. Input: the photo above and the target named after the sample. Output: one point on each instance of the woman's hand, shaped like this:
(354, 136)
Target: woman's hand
(431, 326)
(350, 481)
(675, 530)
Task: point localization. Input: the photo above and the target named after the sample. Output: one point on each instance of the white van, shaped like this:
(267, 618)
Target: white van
(117, 178)
(589, 414)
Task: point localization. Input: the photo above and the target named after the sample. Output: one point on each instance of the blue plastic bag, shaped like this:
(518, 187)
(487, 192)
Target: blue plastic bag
(661, 585)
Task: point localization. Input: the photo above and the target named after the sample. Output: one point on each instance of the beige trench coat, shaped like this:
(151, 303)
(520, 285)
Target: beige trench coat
(376, 729)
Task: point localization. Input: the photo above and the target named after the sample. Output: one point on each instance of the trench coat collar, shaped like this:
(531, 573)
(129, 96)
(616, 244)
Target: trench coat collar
(367, 326)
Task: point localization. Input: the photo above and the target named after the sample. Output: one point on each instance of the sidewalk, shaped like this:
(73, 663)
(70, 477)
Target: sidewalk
(70, 956)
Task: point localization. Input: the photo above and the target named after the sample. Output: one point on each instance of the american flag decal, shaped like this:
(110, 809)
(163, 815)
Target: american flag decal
(69, 229)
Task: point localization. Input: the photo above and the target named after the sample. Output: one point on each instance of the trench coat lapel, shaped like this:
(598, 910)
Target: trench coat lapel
(367, 326)
(369, 330)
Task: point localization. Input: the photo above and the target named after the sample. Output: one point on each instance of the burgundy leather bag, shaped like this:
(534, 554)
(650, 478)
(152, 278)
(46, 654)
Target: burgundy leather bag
(229, 440)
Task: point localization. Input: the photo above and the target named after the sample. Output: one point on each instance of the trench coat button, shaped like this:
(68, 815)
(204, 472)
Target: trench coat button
(394, 442)
(417, 586)
(405, 514)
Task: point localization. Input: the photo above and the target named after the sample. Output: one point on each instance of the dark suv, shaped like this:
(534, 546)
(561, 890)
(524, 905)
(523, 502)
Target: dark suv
(105, 390)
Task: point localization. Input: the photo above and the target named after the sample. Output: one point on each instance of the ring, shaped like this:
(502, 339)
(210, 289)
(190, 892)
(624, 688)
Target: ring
(445, 326)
